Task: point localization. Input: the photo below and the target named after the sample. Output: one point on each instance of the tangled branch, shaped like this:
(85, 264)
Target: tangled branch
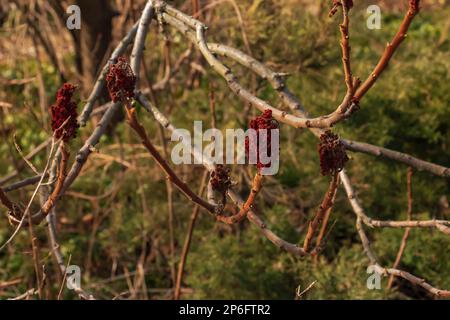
(195, 31)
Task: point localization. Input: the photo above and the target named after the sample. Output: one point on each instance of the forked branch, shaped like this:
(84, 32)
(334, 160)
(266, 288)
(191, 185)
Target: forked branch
(171, 175)
(326, 204)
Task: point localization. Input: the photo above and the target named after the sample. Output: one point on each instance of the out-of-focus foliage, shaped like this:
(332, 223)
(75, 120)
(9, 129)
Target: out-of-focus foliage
(407, 110)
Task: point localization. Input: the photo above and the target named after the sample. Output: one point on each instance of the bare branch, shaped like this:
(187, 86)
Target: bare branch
(397, 156)
(390, 271)
(438, 224)
(139, 41)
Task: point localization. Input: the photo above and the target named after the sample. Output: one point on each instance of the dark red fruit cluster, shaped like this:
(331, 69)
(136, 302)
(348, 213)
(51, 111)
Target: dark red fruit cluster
(332, 153)
(65, 110)
(220, 178)
(120, 81)
(264, 121)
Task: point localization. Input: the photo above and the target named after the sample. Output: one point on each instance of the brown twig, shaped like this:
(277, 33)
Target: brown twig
(402, 248)
(188, 239)
(212, 105)
(326, 218)
(327, 203)
(100, 83)
(299, 294)
(389, 51)
(63, 282)
(36, 257)
(50, 203)
(26, 295)
(344, 28)
(293, 249)
(169, 191)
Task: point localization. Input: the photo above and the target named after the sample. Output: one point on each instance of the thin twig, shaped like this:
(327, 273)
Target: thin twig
(326, 218)
(326, 204)
(407, 230)
(63, 282)
(188, 239)
(391, 47)
(50, 203)
(397, 156)
(28, 157)
(212, 105)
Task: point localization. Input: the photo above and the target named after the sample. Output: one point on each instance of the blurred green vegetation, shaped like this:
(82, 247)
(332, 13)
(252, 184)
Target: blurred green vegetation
(407, 110)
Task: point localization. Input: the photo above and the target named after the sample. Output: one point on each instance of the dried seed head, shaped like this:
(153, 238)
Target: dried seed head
(120, 81)
(267, 122)
(64, 114)
(332, 153)
(220, 178)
